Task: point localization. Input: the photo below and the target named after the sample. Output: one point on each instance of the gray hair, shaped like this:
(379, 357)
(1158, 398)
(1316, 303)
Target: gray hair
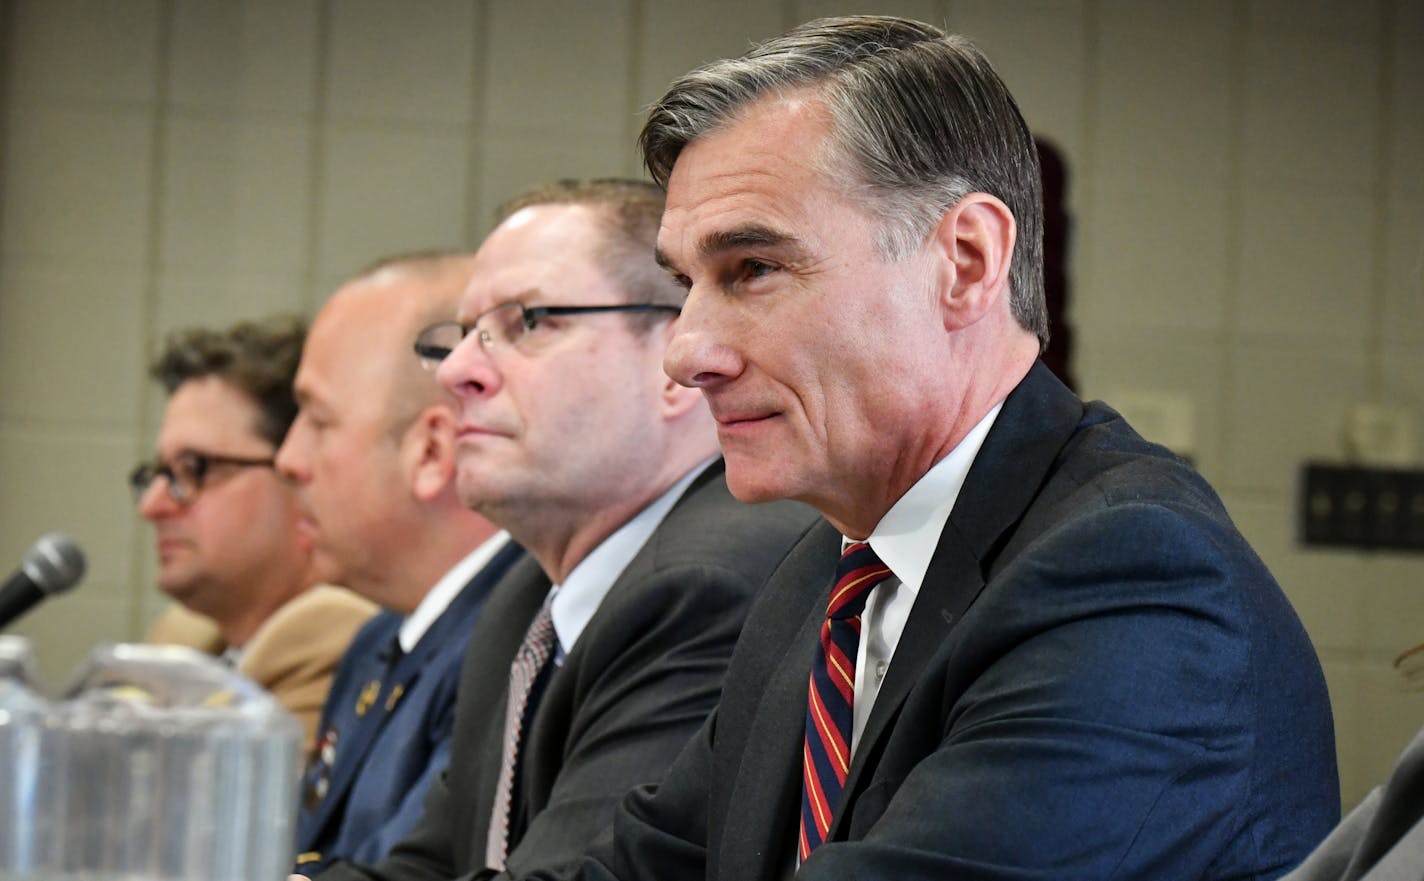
(919, 118)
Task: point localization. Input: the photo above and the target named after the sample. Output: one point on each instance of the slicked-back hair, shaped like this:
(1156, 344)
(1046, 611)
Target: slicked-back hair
(919, 120)
(258, 358)
(631, 211)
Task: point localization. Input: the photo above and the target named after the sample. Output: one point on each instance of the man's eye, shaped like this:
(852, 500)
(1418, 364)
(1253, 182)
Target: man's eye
(756, 268)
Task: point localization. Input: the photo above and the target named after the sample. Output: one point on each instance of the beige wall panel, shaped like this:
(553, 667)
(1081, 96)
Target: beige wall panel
(71, 342)
(1113, 362)
(77, 186)
(235, 196)
(386, 191)
(1288, 406)
(1326, 19)
(1162, 108)
(1158, 255)
(255, 57)
(1039, 48)
(559, 65)
(513, 161)
(1307, 263)
(931, 11)
(1312, 113)
(676, 37)
(189, 298)
(1402, 320)
(85, 50)
(76, 484)
(1406, 97)
(402, 62)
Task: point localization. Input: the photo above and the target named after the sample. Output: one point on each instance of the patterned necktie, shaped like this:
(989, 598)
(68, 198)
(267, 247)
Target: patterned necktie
(829, 716)
(533, 654)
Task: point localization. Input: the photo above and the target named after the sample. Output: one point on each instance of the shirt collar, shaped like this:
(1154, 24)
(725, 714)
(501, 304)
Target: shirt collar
(577, 599)
(906, 537)
(439, 597)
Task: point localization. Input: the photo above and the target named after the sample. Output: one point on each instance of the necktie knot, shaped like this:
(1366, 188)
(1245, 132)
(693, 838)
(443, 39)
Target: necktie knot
(858, 572)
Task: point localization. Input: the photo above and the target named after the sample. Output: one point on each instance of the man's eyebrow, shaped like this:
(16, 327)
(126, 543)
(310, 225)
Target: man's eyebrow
(752, 235)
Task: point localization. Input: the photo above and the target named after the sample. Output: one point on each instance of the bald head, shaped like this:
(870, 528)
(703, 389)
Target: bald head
(365, 331)
(372, 450)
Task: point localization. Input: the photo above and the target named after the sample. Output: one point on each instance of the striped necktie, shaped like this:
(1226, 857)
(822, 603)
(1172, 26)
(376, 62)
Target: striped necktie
(829, 716)
(534, 653)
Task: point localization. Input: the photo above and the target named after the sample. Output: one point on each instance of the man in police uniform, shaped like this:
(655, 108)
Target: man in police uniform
(372, 456)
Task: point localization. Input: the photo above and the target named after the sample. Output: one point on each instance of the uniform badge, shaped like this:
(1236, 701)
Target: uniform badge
(367, 697)
(318, 776)
(394, 697)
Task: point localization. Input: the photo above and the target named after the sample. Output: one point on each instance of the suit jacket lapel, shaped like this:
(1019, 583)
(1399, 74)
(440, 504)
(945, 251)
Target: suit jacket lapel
(1036, 421)
(358, 731)
(399, 680)
(479, 719)
(779, 734)
(760, 841)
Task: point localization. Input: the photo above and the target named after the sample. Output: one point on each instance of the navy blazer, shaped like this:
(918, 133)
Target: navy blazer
(1098, 680)
(385, 731)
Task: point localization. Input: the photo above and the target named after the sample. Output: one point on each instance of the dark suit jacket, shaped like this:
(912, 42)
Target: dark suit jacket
(1383, 838)
(381, 749)
(1098, 680)
(639, 682)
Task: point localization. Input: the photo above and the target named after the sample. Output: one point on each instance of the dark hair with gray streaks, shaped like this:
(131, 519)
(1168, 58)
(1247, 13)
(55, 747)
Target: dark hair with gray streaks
(920, 119)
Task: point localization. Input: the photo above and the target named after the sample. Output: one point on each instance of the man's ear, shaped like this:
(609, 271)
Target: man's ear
(428, 452)
(975, 243)
(679, 400)
(675, 400)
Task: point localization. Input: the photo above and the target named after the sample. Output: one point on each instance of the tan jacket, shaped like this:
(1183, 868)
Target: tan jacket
(293, 654)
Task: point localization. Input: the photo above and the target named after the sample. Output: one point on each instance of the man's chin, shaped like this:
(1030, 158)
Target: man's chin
(178, 591)
(752, 483)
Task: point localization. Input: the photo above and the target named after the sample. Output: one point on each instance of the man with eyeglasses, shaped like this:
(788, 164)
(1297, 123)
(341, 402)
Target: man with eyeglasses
(593, 664)
(229, 536)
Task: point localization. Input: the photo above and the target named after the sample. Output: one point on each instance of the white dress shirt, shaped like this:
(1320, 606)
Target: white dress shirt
(905, 540)
(574, 602)
(439, 597)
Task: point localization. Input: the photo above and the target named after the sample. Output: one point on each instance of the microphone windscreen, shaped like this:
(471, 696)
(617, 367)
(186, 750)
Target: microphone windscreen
(54, 562)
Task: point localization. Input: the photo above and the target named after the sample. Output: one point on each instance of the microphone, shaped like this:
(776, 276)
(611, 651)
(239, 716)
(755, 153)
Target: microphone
(53, 564)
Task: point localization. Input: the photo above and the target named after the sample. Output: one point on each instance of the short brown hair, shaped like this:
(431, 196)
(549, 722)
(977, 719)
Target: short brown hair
(258, 358)
(632, 211)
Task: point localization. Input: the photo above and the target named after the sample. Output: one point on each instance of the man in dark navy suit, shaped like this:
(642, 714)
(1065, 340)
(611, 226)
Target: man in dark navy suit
(372, 454)
(1028, 644)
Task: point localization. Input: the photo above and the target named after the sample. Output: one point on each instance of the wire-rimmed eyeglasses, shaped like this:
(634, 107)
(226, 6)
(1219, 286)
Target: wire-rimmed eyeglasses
(506, 325)
(186, 473)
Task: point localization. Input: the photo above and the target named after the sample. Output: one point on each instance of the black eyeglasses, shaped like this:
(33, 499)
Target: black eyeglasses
(186, 473)
(506, 325)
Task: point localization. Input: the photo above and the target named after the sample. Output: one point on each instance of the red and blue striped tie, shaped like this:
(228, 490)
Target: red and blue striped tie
(829, 716)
